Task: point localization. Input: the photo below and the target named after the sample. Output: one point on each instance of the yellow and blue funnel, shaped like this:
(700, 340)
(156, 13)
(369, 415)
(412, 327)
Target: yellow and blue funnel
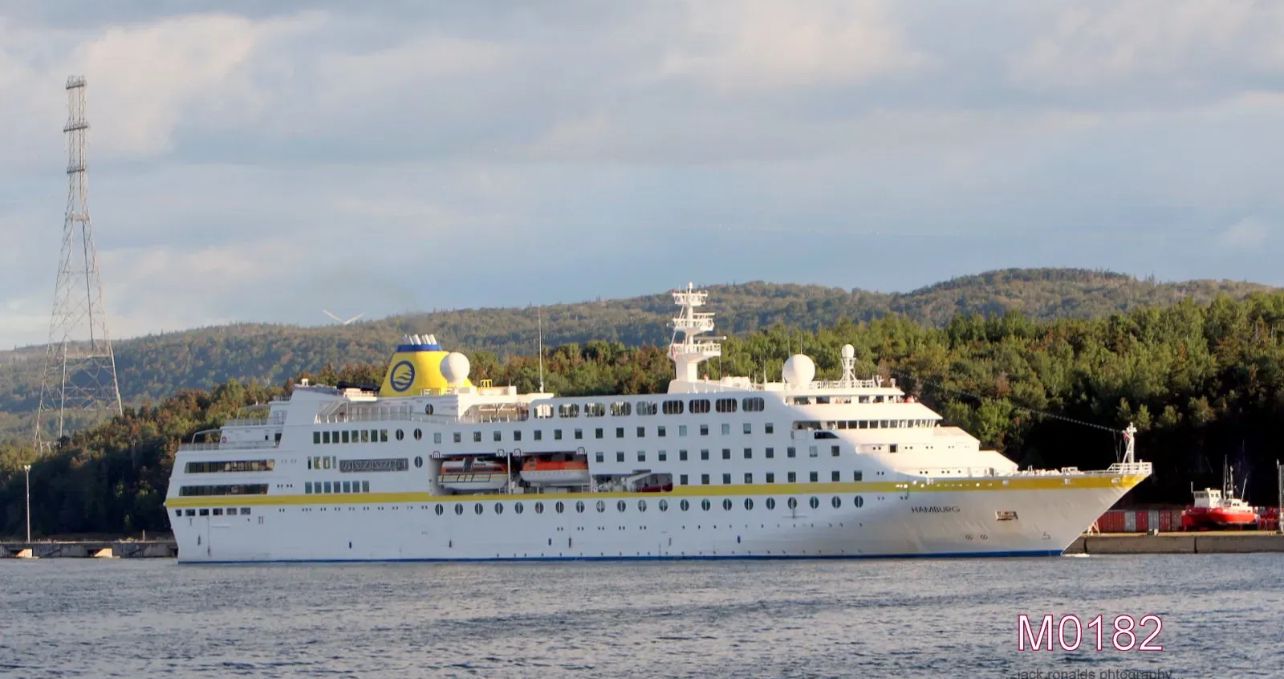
(415, 368)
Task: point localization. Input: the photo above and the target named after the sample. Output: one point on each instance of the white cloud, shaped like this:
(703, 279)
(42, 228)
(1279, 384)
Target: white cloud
(764, 45)
(1246, 234)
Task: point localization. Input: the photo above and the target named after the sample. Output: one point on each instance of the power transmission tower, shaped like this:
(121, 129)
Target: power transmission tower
(80, 369)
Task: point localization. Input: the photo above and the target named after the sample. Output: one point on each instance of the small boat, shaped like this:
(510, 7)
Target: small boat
(469, 475)
(545, 472)
(1219, 509)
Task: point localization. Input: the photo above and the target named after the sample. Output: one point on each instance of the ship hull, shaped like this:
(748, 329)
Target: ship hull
(971, 517)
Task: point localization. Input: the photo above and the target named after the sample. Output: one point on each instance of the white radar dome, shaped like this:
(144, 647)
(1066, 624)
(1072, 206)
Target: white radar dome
(455, 367)
(849, 351)
(799, 370)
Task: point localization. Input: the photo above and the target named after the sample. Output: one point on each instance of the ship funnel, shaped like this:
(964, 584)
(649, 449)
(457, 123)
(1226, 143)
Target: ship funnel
(416, 369)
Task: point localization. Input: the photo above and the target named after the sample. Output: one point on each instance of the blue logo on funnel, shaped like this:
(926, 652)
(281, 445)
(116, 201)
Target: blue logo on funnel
(403, 375)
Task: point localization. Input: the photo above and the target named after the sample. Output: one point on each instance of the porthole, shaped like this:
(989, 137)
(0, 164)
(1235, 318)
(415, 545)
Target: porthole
(664, 505)
(439, 509)
(428, 409)
(419, 462)
(749, 503)
(814, 502)
(705, 505)
(539, 507)
(620, 505)
(477, 508)
(684, 505)
(601, 506)
(860, 501)
(419, 434)
(459, 509)
(400, 435)
(726, 504)
(499, 508)
(641, 505)
(793, 503)
(559, 507)
(771, 503)
(517, 508)
(579, 507)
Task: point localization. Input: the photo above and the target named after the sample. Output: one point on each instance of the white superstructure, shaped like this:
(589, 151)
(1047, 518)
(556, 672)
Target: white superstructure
(432, 467)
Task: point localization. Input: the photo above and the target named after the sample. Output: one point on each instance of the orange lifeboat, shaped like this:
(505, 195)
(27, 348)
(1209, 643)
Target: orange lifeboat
(545, 472)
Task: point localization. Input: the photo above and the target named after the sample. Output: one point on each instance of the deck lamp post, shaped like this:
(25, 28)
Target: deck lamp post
(26, 469)
(1279, 507)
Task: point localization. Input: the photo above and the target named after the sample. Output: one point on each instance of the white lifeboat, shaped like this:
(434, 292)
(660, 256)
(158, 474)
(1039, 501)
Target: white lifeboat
(470, 475)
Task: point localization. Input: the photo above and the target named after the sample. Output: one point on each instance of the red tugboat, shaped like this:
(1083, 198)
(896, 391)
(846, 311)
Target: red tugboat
(1219, 509)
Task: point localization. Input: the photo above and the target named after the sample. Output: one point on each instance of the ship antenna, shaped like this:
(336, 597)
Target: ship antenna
(539, 315)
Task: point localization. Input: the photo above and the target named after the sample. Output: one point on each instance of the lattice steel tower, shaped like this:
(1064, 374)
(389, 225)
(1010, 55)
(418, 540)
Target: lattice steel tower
(80, 369)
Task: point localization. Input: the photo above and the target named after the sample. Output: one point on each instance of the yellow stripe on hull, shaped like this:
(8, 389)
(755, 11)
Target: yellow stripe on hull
(1123, 482)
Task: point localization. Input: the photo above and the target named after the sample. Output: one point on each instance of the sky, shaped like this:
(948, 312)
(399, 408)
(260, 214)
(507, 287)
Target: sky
(265, 161)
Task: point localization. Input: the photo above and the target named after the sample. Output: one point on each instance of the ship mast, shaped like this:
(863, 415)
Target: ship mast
(685, 349)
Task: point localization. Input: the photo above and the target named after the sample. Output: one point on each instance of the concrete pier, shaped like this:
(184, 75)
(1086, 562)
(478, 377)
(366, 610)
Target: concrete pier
(1236, 542)
(84, 549)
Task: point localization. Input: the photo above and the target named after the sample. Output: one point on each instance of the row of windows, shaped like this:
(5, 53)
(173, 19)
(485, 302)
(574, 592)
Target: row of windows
(218, 511)
(233, 489)
(354, 436)
(230, 466)
(683, 455)
(697, 406)
(863, 424)
(310, 487)
(770, 477)
(600, 506)
(823, 400)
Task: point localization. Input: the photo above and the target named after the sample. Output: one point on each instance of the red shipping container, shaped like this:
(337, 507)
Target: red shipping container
(1142, 521)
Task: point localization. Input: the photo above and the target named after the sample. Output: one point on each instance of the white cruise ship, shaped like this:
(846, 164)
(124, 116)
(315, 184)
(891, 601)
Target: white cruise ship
(433, 467)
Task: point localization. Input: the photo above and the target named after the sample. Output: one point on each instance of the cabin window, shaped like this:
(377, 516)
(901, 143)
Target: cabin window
(705, 505)
(218, 511)
(344, 435)
(518, 508)
(704, 453)
(517, 434)
(205, 512)
(419, 462)
(682, 480)
(401, 435)
(568, 410)
(438, 509)
(598, 457)
(725, 405)
(771, 503)
(316, 437)
(726, 504)
(327, 487)
(770, 453)
(459, 509)
(835, 477)
(748, 453)
(579, 507)
(539, 434)
(682, 430)
(771, 477)
(748, 477)
(753, 404)
(836, 502)
(458, 437)
(436, 437)
(499, 508)
(791, 477)
(307, 487)
(813, 451)
(647, 408)
(619, 456)
(859, 501)
(664, 505)
(662, 456)
(383, 436)
(726, 429)
(769, 428)
(814, 477)
(856, 475)
(673, 407)
(641, 456)
(747, 429)
(594, 410)
(749, 504)
(579, 434)
(682, 455)
(597, 433)
(704, 481)
(619, 432)
(557, 434)
(477, 509)
(726, 453)
(833, 451)
(539, 507)
(496, 436)
(704, 430)
(698, 406)
(684, 505)
(476, 437)
(726, 479)
(621, 506)
(365, 486)
(793, 503)
(659, 431)
(814, 502)
(559, 507)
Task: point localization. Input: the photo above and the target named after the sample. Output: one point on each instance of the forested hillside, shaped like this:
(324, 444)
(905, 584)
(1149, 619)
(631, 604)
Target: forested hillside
(1200, 380)
(153, 367)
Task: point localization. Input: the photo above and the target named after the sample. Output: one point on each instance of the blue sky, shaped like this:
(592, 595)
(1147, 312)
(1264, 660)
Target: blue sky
(252, 163)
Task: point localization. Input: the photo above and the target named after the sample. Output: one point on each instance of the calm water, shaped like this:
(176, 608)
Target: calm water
(1223, 616)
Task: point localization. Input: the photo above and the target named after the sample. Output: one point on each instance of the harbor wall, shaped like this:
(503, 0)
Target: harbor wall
(1237, 542)
(83, 549)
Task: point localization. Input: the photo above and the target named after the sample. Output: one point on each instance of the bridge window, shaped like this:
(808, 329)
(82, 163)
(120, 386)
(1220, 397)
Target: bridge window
(568, 410)
(647, 408)
(753, 404)
(316, 437)
(699, 406)
(594, 410)
(621, 408)
(325, 437)
(230, 489)
(230, 466)
(673, 407)
(725, 405)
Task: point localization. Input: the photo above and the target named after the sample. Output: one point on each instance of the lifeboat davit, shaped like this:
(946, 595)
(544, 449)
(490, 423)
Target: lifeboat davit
(540, 472)
(470, 475)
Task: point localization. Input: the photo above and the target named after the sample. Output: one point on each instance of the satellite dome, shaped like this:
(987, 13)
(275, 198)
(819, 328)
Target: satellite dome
(455, 367)
(849, 351)
(799, 370)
